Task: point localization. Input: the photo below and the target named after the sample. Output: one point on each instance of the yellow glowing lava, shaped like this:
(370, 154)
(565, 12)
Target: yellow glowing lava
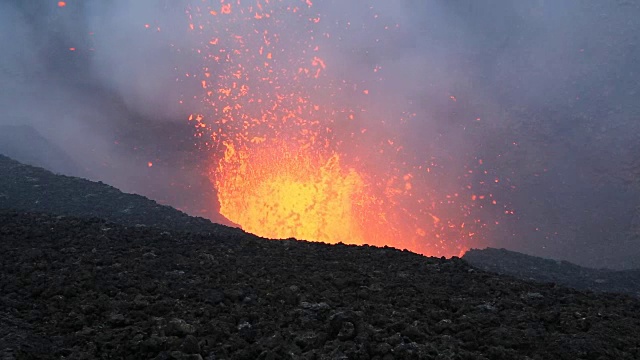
(278, 192)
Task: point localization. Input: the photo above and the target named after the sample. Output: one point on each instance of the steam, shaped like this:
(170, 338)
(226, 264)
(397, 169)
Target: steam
(542, 93)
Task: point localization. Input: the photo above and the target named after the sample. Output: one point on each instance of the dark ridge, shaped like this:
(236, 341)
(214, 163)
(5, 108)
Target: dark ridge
(33, 189)
(534, 268)
(86, 288)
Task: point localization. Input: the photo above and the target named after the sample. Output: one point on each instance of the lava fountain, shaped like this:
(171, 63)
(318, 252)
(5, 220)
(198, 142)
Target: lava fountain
(281, 190)
(298, 151)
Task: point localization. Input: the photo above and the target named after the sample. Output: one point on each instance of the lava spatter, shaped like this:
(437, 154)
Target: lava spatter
(291, 142)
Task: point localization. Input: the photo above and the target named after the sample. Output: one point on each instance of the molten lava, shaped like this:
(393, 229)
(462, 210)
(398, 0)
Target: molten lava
(279, 191)
(298, 151)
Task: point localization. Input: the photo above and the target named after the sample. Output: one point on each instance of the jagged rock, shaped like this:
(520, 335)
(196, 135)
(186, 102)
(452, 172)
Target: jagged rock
(190, 345)
(179, 327)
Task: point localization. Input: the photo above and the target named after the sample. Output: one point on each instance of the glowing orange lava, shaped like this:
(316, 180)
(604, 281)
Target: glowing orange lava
(280, 192)
(290, 154)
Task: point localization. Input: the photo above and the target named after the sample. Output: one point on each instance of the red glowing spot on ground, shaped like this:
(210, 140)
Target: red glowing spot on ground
(62, 3)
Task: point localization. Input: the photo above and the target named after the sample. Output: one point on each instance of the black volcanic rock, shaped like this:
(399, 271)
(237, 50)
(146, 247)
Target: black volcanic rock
(87, 288)
(534, 268)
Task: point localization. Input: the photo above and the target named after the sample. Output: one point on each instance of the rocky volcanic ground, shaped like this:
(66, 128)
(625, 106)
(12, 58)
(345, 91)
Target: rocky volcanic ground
(152, 282)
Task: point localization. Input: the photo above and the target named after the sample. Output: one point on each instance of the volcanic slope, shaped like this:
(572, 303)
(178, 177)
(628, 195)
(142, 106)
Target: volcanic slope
(86, 288)
(529, 267)
(34, 189)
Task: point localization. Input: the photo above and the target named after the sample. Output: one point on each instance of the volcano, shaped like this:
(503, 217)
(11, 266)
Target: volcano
(359, 154)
